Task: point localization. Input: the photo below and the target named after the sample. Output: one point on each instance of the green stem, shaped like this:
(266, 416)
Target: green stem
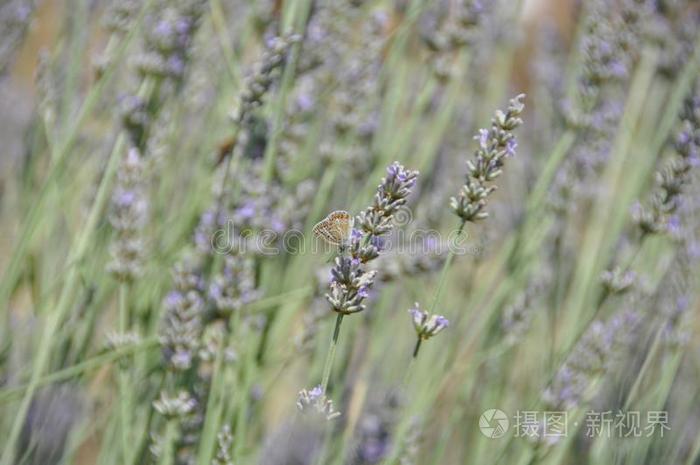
(246, 377)
(285, 87)
(167, 456)
(412, 363)
(416, 349)
(695, 453)
(443, 273)
(214, 407)
(231, 167)
(223, 37)
(331, 353)
(644, 369)
(124, 392)
(80, 368)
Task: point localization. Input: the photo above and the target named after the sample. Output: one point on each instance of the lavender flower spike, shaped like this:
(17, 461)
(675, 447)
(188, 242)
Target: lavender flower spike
(262, 78)
(427, 325)
(349, 285)
(128, 218)
(660, 214)
(315, 400)
(495, 145)
(350, 281)
(391, 195)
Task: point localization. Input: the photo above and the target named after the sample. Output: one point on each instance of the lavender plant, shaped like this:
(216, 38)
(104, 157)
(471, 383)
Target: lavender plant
(163, 161)
(350, 282)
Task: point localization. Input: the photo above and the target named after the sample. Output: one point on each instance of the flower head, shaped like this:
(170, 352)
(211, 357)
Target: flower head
(495, 145)
(660, 214)
(315, 400)
(128, 218)
(425, 324)
(350, 280)
(179, 405)
(392, 193)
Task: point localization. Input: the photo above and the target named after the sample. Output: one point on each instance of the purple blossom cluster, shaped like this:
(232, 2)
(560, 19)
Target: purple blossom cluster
(425, 324)
(661, 213)
(447, 32)
(234, 287)
(315, 401)
(120, 15)
(263, 76)
(183, 317)
(128, 218)
(592, 357)
(496, 144)
(169, 39)
(350, 280)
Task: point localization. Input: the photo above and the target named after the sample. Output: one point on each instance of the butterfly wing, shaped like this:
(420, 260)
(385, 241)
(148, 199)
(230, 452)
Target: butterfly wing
(321, 230)
(335, 228)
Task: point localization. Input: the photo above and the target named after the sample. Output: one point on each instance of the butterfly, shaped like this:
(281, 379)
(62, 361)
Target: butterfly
(335, 228)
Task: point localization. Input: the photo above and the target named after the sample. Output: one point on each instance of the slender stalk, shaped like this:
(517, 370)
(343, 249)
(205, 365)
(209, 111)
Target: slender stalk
(644, 369)
(331, 353)
(124, 391)
(213, 408)
(140, 445)
(94, 363)
(167, 456)
(412, 363)
(223, 37)
(443, 273)
(286, 84)
(246, 378)
(230, 169)
(417, 348)
(695, 453)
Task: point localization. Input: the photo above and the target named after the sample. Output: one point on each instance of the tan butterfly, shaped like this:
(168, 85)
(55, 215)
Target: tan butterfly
(335, 228)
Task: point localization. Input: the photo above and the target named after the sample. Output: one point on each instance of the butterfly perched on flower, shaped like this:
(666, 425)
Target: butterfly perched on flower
(335, 228)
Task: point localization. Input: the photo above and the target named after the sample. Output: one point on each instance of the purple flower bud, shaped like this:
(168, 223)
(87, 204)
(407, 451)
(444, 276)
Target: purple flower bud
(673, 225)
(246, 211)
(442, 322)
(316, 392)
(511, 145)
(393, 169)
(173, 299)
(483, 138)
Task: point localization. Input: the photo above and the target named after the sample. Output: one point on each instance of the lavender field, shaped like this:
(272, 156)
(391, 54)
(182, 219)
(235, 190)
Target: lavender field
(349, 232)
